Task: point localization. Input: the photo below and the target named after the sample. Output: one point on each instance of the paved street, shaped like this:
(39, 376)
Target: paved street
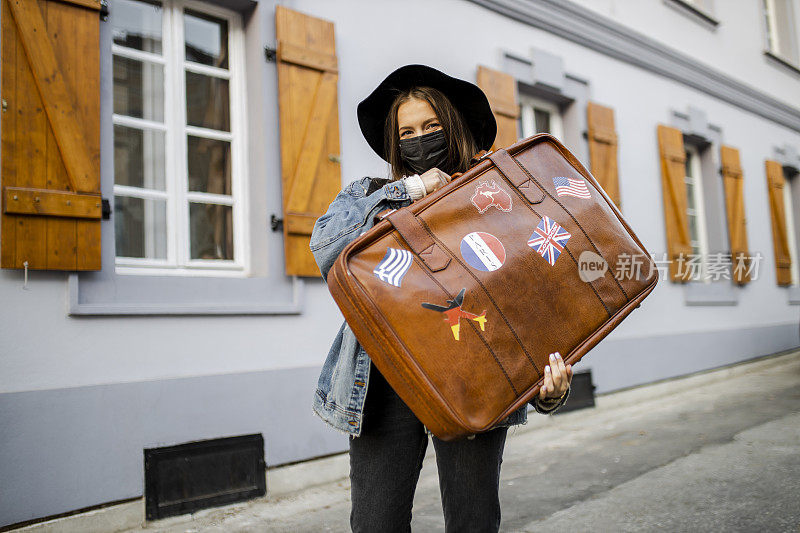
(718, 451)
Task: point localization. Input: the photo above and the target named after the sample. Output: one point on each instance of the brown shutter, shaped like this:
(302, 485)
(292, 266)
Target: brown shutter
(733, 182)
(780, 238)
(673, 174)
(309, 116)
(501, 90)
(50, 173)
(603, 148)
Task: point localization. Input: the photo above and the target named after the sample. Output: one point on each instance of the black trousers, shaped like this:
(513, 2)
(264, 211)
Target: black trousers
(385, 462)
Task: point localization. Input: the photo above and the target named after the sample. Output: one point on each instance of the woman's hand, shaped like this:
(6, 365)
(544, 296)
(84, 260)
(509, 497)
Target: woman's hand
(434, 179)
(557, 378)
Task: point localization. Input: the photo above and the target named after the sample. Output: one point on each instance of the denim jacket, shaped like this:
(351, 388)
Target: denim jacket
(343, 381)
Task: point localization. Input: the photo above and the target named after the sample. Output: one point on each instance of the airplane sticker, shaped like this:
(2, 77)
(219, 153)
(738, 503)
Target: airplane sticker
(453, 313)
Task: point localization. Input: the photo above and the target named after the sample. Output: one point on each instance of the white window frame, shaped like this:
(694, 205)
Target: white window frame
(527, 105)
(771, 31)
(178, 261)
(791, 234)
(699, 208)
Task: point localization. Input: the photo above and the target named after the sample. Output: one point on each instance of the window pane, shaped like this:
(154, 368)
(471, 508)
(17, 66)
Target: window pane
(136, 25)
(690, 195)
(209, 162)
(542, 121)
(206, 39)
(768, 23)
(207, 103)
(688, 166)
(211, 231)
(139, 157)
(527, 124)
(693, 227)
(140, 227)
(138, 89)
(786, 30)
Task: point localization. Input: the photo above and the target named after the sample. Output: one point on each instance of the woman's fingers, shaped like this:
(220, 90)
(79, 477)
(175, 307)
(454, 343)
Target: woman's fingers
(566, 371)
(555, 371)
(547, 386)
(563, 368)
(434, 179)
(557, 377)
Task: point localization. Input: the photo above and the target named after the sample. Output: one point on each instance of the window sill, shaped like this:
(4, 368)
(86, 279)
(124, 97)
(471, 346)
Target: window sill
(781, 62)
(96, 294)
(698, 15)
(793, 294)
(221, 272)
(722, 292)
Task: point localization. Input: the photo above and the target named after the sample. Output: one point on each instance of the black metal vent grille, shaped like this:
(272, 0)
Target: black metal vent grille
(196, 475)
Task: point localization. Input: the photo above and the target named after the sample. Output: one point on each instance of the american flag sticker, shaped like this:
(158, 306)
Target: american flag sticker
(571, 187)
(549, 239)
(394, 266)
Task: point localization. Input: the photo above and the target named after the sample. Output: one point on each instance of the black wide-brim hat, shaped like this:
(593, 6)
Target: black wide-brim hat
(466, 97)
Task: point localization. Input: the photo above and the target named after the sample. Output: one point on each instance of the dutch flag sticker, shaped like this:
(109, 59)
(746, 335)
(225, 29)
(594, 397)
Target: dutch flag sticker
(483, 251)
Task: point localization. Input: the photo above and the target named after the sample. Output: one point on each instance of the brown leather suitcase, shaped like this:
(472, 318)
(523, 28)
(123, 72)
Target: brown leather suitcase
(460, 297)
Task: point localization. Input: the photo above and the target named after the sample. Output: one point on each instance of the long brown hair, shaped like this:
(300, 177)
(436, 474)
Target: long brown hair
(461, 145)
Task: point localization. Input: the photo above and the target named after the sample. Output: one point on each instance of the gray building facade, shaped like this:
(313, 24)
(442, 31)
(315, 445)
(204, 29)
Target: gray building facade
(97, 366)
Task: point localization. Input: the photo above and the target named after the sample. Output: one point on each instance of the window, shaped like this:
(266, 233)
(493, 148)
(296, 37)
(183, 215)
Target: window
(178, 137)
(791, 232)
(781, 30)
(539, 116)
(695, 212)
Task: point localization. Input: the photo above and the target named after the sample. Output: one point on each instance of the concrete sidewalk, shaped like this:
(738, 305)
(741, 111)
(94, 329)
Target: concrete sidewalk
(717, 451)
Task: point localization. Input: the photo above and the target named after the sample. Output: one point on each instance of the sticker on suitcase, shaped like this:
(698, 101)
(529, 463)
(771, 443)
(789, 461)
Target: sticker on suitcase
(549, 239)
(491, 194)
(571, 187)
(453, 313)
(483, 251)
(394, 266)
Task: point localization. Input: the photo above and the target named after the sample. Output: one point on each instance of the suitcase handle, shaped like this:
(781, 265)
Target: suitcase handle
(419, 239)
(512, 170)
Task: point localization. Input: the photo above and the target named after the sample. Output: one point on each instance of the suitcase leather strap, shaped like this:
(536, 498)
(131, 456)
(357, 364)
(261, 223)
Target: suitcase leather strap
(419, 240)
(518, 177)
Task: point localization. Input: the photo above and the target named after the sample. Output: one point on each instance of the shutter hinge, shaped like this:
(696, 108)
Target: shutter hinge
(104, 10)
(106, 209)
(275, 223)
(271, 54)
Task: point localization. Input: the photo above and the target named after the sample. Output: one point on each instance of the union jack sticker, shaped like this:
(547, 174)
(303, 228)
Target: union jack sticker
(549, 239)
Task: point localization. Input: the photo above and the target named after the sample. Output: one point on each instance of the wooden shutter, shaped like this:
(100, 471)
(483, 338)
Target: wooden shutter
(673, 175)
(780, 238)
(501, 90)
(733, 182)
(603, 148)
(309, 115)
(50, 177)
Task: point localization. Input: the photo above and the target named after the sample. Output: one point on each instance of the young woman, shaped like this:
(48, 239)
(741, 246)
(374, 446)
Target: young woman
(427, 126)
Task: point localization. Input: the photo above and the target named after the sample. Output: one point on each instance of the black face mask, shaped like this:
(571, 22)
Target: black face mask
(425, 152)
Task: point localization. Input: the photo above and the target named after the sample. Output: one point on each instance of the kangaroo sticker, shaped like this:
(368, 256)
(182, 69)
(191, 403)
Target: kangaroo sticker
(490, 194)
